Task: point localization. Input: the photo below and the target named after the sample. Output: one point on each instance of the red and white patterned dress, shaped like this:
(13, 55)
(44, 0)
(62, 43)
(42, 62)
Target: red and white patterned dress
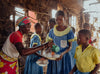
(9, 54)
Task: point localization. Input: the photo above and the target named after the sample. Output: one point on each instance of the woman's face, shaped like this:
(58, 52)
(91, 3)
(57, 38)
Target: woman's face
(60, 20)
(26, 28)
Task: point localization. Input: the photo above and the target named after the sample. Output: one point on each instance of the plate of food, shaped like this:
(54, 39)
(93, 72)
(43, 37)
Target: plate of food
(42, 62)
(51, 56)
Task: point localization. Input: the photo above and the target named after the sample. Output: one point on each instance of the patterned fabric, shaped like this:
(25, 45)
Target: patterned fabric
(22, 21)
(64, 65)
(8, 65)
(31, 67)
(86, 60)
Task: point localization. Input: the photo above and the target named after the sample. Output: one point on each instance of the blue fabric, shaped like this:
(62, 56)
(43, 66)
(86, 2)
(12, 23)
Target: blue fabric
(78, 72)
(31, 67)
(72, 53)
(64, 65)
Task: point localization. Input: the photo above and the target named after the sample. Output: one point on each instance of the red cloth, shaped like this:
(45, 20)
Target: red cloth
(6, 69)
(90, 42)
(16, 37)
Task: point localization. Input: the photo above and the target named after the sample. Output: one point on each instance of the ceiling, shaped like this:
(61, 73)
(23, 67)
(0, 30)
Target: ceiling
(74, 5)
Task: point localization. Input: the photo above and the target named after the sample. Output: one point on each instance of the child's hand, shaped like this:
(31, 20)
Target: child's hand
(59, 58)
(94, 40)
(71, 72)
(41, 59)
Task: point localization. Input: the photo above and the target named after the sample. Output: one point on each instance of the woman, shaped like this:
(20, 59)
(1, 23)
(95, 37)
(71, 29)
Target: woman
(13, 47)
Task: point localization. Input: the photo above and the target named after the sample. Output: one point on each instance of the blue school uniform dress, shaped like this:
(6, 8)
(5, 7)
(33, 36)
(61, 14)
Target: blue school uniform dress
(31, 67)
(61, 39)
(72, 52)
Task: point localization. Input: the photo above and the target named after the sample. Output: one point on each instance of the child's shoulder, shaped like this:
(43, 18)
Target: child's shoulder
(79, 46)
(34, 35)
(93, 49)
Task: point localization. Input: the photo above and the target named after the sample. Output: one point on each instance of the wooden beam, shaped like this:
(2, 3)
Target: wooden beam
(94, 3)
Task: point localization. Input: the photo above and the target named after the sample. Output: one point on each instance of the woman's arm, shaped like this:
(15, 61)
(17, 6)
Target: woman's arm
(40, 55)
(28, 51)
(95, 69)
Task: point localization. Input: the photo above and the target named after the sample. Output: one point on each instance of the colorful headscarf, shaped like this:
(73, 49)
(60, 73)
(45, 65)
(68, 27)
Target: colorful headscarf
(22, 21)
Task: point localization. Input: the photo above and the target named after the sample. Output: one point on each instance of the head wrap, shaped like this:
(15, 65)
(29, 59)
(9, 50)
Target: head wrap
(22, 21)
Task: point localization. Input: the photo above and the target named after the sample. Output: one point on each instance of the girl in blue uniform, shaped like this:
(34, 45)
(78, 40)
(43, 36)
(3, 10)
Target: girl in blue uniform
(62, 36)
(31, 67)
(72, 52)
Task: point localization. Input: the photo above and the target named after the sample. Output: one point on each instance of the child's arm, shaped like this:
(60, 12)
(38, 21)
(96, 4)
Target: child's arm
(95, 69)
(73, 70)
(67, 50)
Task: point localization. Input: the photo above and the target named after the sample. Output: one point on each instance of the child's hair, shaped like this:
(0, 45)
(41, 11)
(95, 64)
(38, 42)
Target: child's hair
(86, 33)
(37, 25)
(73, 29)
(60, 13)
(86, 25)
(52, 20)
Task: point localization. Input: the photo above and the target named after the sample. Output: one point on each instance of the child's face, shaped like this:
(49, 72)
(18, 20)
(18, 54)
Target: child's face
(38, 30)
(51, 25)
(81, 39)
(87, 27)
(60, 20)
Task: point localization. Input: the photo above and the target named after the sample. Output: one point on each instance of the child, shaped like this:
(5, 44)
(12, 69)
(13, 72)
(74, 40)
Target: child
(72, 52)
(87, 27)
(31, 67)
(87, 57)
(52, 22)
(61, 36)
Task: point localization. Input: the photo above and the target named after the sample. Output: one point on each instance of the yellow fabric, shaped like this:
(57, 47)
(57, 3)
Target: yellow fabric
(61, 33)
(71, 40)
(37, 35)
(35, 43)
(5, 57)
(1, 64)
(48, 38)
(86, 60)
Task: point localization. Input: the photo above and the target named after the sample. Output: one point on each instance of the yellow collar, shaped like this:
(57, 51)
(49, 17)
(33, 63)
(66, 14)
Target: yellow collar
(80, 46)
(61, 33)
(37, 35)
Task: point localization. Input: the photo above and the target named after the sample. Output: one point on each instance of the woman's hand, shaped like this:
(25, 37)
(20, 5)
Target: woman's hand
(50, 44)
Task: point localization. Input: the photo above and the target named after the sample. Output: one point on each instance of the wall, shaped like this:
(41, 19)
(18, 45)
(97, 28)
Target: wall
(6, 26)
